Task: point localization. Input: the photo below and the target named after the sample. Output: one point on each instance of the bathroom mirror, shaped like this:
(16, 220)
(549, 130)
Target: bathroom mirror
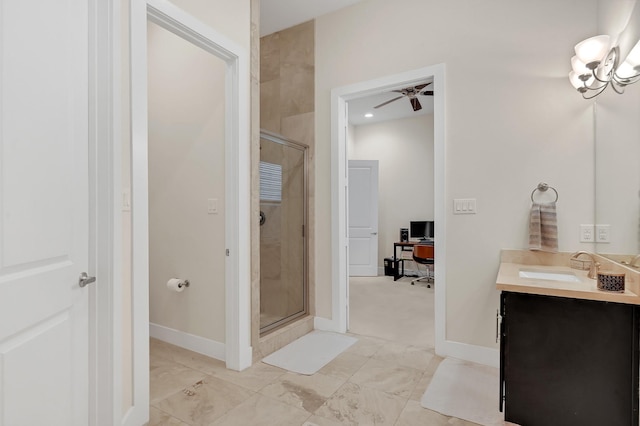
(617, 146)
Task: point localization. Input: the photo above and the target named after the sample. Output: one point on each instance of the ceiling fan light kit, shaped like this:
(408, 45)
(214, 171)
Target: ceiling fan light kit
(412, 93)
(595, 66)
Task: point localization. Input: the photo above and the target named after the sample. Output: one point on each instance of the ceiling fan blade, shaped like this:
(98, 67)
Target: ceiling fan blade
(388, 102)
(422, 86)
(415, 103)
(427, 93)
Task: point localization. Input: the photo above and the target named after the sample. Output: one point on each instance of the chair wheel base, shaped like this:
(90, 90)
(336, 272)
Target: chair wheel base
(428, 279)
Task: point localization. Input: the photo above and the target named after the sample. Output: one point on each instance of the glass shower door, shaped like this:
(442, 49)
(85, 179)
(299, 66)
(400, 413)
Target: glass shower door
(283, 244)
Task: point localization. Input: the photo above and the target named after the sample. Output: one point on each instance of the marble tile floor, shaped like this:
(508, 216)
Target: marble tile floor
(374, 382)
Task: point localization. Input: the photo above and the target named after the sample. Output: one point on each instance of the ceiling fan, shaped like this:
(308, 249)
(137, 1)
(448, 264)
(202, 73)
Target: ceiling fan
(411, 93)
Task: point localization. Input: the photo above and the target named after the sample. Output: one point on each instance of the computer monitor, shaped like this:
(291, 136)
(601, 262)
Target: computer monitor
(421, 229)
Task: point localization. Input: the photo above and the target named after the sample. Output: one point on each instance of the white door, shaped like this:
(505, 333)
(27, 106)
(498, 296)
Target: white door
(43, 212)
(363, 218)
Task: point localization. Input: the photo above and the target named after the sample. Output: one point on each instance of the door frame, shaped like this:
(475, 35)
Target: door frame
(105, 224)
(339, 186)
(238, 352)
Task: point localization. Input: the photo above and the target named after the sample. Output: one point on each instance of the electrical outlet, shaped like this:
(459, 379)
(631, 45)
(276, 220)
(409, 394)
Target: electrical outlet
(587, 233)
(603, 233)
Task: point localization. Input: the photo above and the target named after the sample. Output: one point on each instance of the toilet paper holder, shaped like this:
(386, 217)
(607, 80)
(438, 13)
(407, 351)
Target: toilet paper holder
(177, 284)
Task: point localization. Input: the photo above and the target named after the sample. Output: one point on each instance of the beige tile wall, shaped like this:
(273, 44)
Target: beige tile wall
(286, 75)
(255, 176)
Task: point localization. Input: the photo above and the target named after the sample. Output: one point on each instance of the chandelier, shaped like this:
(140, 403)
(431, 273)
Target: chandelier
(596, 66)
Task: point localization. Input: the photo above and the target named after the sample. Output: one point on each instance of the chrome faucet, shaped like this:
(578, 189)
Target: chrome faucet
(634, 260)
(593, 269)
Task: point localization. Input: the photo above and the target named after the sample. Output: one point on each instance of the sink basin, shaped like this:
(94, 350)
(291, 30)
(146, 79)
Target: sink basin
(549, 275)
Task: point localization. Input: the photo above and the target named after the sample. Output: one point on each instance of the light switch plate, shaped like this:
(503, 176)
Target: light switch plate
(212, 206)
(464, 206)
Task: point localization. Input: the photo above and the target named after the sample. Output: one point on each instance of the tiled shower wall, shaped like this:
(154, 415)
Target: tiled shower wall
(287, 101)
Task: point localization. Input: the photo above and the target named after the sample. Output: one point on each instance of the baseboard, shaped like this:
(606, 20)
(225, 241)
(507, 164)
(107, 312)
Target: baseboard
(246, 358)
(471, 353)
(198, 344)
(324, 324)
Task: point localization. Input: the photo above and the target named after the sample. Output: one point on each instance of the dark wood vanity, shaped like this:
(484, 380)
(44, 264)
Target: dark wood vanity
(569, 352)
(567, 361)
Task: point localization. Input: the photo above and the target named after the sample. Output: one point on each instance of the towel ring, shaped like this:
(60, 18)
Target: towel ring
(542, 187)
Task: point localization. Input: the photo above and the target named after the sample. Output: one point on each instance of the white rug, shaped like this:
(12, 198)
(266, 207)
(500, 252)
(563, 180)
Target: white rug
(311, 352)
(465, 390)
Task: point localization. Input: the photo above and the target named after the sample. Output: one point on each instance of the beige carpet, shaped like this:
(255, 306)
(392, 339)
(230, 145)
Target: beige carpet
(392, 310)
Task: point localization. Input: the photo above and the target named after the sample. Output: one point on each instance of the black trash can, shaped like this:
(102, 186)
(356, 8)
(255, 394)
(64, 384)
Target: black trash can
(388, 266)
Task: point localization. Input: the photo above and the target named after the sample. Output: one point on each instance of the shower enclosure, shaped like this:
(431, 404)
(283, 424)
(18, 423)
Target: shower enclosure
(283, 235)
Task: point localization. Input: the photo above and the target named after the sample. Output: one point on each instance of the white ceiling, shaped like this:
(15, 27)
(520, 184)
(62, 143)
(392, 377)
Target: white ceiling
(277, 15)
(393, 111)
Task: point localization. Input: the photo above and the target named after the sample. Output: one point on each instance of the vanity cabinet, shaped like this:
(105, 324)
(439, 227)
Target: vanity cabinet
(566, 361)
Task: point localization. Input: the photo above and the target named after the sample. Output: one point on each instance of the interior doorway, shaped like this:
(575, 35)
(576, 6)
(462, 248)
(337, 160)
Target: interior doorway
(186, 172)
(236, 345)
(386, 129)
(340, 97)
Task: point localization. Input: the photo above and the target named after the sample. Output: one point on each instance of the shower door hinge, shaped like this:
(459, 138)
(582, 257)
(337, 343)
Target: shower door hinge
(227, 251)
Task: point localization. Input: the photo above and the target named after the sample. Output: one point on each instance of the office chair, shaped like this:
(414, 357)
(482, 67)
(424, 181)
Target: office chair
(423, 254)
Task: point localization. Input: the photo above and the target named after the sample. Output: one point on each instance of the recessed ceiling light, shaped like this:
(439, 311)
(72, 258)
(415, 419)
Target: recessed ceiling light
(368, 115)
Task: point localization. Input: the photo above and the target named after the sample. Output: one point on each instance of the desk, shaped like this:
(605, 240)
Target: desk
(397, 261)
(397, 274)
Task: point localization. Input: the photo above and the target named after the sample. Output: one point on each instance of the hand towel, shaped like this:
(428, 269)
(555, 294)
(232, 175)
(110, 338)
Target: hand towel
(543, 227)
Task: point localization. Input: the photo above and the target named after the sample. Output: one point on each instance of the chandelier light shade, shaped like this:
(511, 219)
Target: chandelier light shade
(595, 66)
(593, 49)
(577, 65)
(631, 65)
(575, 80)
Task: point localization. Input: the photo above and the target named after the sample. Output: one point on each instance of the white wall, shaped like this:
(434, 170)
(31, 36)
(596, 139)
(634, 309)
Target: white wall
(404, 149)
(512, 121)
(186, 168)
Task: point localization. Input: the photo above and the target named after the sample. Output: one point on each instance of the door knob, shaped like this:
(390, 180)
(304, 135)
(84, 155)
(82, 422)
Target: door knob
(85, 279)
(374, 233)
